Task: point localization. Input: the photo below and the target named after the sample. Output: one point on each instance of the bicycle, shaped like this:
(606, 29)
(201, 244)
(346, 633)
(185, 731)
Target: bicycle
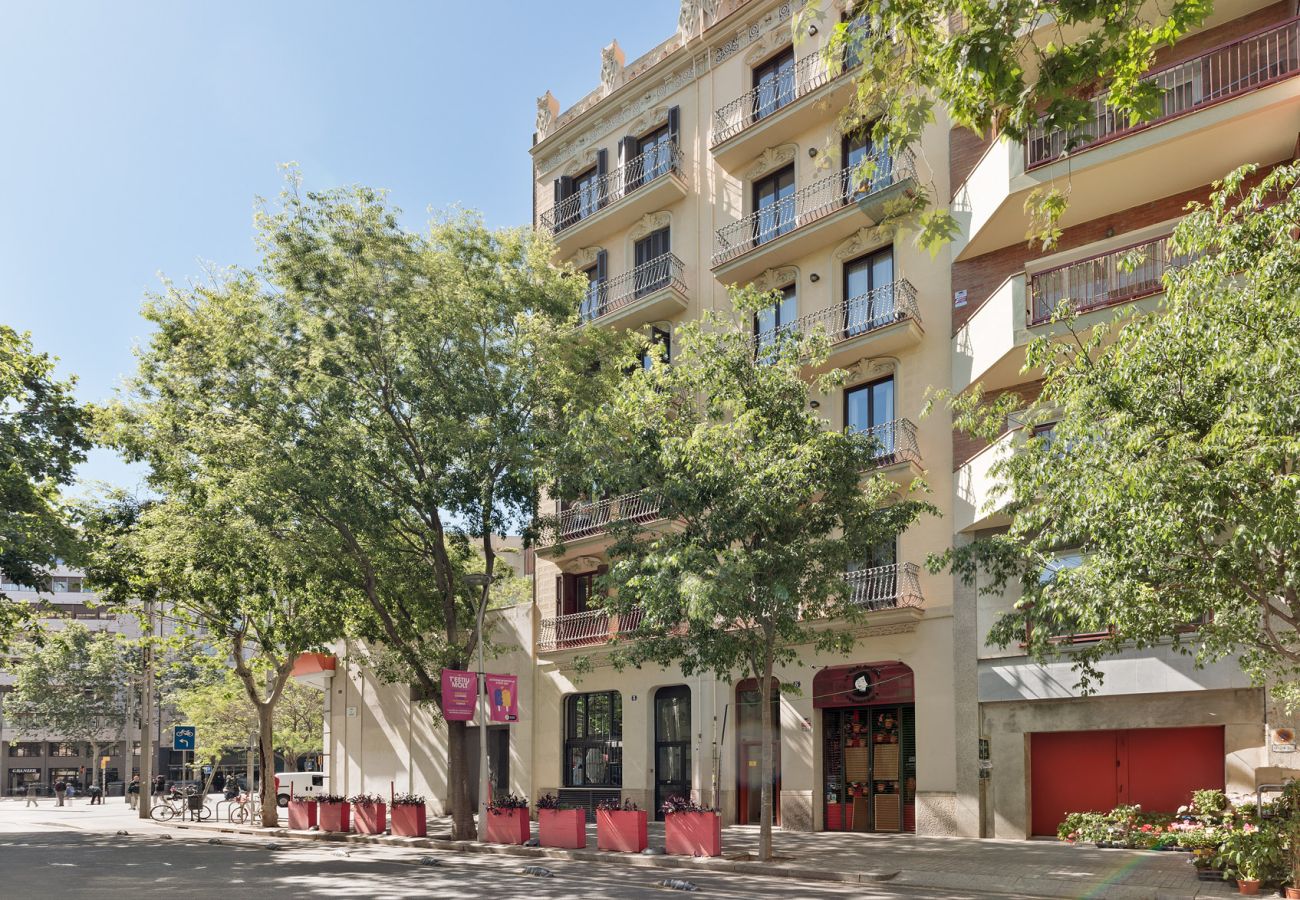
(244, 809)
(176, 804)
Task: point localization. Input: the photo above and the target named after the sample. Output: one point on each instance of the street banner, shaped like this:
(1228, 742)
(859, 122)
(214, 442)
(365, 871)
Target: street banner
(458, 695)
(503, 698)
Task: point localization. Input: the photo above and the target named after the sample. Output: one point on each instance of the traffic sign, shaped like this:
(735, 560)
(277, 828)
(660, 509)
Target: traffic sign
(183, 737)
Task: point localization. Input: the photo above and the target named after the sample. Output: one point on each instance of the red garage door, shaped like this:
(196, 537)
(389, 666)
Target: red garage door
(1094, 771)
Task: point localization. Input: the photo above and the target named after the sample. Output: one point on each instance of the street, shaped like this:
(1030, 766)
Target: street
(75, 852)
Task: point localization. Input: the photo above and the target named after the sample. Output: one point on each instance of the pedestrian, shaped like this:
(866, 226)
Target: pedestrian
(159, 785)
(71, 792)
(59, 787)
(31, 794)
(96, 794)
(133, 792)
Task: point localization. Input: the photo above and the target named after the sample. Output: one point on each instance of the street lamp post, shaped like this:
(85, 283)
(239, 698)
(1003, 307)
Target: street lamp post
(484, 789)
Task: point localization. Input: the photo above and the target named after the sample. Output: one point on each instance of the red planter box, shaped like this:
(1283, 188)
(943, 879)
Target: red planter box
(302, 814)
(508, 826)
(564, 828)
(370, 818)
(693, 834)
(410, 821)
(620, 830)
(334, 816)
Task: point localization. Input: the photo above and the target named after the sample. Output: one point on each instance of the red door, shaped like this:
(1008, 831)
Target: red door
(1094, 771)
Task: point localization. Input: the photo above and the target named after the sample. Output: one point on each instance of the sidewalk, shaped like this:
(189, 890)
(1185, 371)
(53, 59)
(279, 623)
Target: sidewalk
(1029, 868)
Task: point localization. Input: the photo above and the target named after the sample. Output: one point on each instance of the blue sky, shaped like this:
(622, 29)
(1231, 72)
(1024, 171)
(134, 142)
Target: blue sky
(137, 135)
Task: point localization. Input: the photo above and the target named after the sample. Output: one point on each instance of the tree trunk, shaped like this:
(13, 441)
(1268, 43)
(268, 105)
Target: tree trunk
(765, 764)
(95, 770)
(458, 781)
(266, 760)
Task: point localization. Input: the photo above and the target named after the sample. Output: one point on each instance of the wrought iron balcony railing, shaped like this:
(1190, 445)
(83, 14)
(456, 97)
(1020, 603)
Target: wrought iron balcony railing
(584, 629)
(587, 518)
(894, 442)
(878, 308)
(804, 77)
(657, 162)
(1103, 280)
(885, 587)
(1227, 71)
(805, 206)
(605, 297)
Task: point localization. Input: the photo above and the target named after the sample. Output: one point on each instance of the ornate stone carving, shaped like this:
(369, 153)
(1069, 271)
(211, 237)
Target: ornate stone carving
(696, 15)
(547, 109)
(770, 160)
(585, 257)
(581, 563)
(771, 279)
(865, 239)
(611, 68)
(767, 44)
(650, 222)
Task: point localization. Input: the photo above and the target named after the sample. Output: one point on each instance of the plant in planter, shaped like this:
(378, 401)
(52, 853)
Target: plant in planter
(620, 827)
(1204, 841)
(691, 829)
(302, 812)
(410, 816)
(508, 820)
(371, 813)
(333, 813)
(563, 828)
(1252, 855)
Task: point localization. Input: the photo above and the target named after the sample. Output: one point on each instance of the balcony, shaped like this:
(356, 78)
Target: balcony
(1231, 105)
(773, 113)
(897, 455)
(883, 321)
(587, 519)
(652, 291)
(885, 587)
(1104, 280)
(979, 504)
(618, 198)
(823, 212)
(585, 629)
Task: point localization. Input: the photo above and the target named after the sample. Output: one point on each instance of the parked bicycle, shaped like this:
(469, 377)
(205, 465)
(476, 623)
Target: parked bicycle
(187, 804)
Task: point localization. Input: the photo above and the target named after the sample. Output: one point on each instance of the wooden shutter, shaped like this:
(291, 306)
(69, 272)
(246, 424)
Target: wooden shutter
(602, 168)
(674, 124)
(602, 266)
(563, 188)
(568, 594)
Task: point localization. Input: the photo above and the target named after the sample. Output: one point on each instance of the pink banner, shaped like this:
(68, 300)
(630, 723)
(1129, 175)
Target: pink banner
(459, 693)
(503, 698)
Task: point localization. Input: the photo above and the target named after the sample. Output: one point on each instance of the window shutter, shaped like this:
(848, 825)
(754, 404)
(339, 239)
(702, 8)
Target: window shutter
(674, 124)
(602, 168)
(570, 594)
(563, 188)
(626, 150)
(602, 266)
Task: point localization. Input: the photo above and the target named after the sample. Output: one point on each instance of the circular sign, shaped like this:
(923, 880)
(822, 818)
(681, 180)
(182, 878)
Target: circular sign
(862, 684)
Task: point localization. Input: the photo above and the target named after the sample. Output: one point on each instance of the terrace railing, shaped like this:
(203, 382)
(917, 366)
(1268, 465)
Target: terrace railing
(885, 587)
(877, 308)
(1114, 277)
(584, 629)
(603, 298)
(657, 162)
(584, 519)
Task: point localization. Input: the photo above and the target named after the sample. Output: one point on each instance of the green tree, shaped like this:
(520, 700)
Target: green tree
(773, 507)
(390, 397)
(71, 687)
(995, 68)
(42, 438)
(1170, 474)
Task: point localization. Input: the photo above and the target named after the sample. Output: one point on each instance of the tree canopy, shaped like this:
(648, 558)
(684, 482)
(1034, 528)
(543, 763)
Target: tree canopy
(1163, 505)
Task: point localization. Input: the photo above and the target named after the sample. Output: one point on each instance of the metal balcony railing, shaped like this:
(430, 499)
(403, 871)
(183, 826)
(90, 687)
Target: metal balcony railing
(806, 76)
(587, 518)
(605, 297)
(853, 318)
(1103, 280)
(805, 206)
(894, 442)
(584, 629)
(657, 162)
(1227, 71)
(885, 587)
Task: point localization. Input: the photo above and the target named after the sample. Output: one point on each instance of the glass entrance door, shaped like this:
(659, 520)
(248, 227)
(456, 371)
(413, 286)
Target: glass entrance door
(672, 745)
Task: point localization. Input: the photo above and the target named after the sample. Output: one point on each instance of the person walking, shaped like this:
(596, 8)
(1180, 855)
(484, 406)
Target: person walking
(71, 791)
(133, 792)
(31, 795)
(59, 787)
(159, 785)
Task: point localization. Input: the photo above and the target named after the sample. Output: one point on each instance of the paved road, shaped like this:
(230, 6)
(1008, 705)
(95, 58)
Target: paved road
(75, 853)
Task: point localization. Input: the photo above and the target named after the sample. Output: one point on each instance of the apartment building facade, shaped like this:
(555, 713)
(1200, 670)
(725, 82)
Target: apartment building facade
(715, 159)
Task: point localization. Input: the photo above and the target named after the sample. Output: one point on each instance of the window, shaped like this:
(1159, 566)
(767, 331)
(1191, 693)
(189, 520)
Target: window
(652, 257)
(857, 27)
(655, 150)
(774, 84)
(660, 348)
(24, 748)
(1069, 630)
(586, 187)
(774, 205)
(769, 322)
(592, 302)
(869, 292)
(64, 749)
(585, 592)
(593, 740)
(856, 149)
(873, 581)
(869, 409)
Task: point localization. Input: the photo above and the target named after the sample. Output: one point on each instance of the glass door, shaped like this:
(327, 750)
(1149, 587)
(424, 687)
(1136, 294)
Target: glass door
(651, 262)
(672, 758)
(869, 409)
(869, 292)
(773, 84)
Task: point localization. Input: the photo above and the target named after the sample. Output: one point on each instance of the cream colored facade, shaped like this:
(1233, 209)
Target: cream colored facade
(973, 314)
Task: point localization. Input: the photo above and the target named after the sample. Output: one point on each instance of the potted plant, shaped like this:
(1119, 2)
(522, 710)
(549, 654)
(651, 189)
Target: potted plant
(563, 828)
(508, 820)
(1251, 855)
(302, 813)
(371, 813)
(1204, 844)
(333, 813)
(620, 827)
(410, 818)
(691, 829)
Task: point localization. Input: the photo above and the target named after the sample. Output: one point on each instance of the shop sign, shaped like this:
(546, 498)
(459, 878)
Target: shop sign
(458, 690)
(25, 771)
(864, 684)
(1283, 740)
(503, 698)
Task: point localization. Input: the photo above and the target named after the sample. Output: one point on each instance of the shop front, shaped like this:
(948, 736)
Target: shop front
(868, 715)
(19, 778)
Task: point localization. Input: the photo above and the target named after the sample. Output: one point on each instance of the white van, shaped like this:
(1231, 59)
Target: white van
(297, 784)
